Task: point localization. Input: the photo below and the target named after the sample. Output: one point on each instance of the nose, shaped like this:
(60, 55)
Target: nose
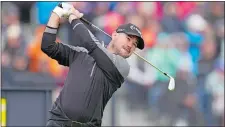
(129, 44)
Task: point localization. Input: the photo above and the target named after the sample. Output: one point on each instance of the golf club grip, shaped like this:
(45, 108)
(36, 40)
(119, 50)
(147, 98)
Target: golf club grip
(86, 21)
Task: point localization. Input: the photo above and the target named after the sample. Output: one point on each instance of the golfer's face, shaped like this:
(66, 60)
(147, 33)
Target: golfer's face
(126, 44)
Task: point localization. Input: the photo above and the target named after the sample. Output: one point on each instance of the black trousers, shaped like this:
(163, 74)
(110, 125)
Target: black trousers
(59, 119)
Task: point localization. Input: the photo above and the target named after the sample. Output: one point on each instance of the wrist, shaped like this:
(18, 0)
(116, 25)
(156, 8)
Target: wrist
(54, 20)
(59, 11)
(72, 17)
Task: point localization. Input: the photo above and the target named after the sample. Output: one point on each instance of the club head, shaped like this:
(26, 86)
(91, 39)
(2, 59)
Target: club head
(171, 84)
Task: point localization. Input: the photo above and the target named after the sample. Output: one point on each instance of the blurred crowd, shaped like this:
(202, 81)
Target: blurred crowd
(184, 39)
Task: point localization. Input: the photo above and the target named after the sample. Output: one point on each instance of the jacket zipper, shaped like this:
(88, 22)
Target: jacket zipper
(92, 69)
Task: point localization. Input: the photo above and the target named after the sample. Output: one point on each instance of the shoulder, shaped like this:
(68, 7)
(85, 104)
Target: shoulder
(122, 65)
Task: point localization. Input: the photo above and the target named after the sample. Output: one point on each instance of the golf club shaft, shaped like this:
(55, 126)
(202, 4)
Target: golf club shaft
(152, 64)
(92, 25)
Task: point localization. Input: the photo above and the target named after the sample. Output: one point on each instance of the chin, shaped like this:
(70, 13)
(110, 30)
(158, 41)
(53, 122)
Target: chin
(125, 55)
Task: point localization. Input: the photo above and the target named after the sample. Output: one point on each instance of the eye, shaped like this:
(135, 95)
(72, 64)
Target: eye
(128, 38)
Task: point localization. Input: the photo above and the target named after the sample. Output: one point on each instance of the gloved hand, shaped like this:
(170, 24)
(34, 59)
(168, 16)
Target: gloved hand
(63, 9)
(73, 12)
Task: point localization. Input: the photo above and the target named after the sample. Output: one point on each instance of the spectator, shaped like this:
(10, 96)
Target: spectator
(181, 104)
(112, 20)
(38, 61)
(219, 38)
(14, 51)
(125, 8)
(24, 11)
(184, 9)
(215, 11)
(11, 16)
(186, 97)
(150, 32)
(164, 56)
(146, 9)
(170, 22)
(182, 45)
(195, 25)
(215, 87)
(109, 22)
(205, 66)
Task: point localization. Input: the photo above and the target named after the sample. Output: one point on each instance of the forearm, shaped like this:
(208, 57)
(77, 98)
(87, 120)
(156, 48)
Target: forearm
(54, 20)
(49, 36)
(64, 54)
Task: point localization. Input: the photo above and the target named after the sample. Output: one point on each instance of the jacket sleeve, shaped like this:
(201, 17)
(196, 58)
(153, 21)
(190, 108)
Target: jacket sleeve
(64, 54)
(108, 62)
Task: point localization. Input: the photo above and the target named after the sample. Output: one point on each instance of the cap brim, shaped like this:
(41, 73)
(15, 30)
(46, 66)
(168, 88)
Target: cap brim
(141, 43)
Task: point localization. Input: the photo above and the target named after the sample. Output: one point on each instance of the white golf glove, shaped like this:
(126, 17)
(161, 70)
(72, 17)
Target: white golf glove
(63, 9)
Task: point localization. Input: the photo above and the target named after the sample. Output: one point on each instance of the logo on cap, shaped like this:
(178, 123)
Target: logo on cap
(135, 28)
(119, 30)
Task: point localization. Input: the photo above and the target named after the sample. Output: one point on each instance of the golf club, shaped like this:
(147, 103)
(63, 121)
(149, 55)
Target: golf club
(171, 85)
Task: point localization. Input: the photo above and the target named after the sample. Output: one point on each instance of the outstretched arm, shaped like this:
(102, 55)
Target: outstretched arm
(63, 53)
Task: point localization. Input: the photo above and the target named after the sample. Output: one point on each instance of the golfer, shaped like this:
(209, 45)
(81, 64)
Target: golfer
(95, 72)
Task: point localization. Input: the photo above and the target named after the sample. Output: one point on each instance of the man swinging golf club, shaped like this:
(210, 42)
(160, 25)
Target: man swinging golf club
(95, 72)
